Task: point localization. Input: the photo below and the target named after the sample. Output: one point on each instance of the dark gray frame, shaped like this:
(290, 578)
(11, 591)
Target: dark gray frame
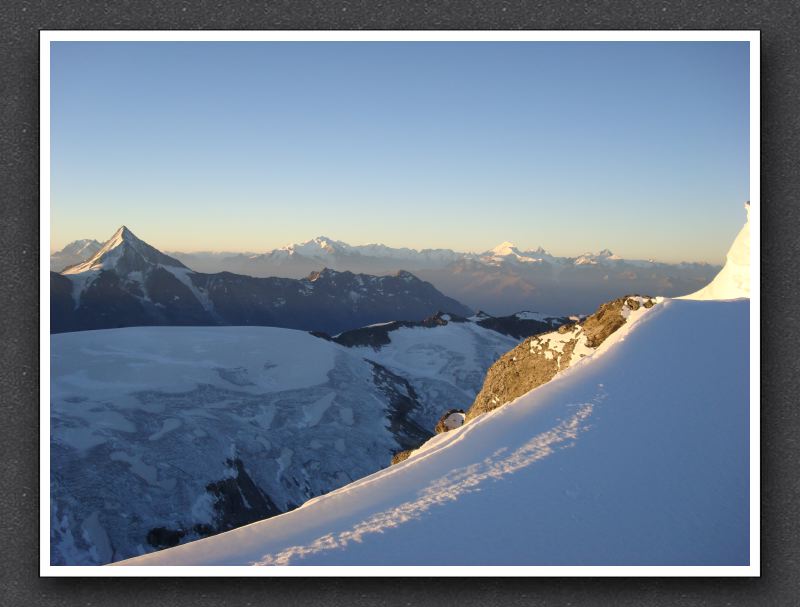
(20, 22)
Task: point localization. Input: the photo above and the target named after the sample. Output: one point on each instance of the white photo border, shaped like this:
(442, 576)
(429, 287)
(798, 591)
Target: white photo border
(753, 37)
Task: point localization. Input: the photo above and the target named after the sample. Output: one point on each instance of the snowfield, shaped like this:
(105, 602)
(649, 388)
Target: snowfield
(144, 420)
(637, 455)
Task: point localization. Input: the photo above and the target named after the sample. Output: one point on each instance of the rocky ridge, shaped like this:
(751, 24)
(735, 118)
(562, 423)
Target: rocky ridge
(537, 359)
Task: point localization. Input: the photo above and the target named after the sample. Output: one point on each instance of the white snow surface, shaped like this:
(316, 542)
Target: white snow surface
(733, 281)
(638, 455)
(454, 420)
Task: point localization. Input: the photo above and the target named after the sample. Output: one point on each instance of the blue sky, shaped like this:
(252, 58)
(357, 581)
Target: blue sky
(637, 147)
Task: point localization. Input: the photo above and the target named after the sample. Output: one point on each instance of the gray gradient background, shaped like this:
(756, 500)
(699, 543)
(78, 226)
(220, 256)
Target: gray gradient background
(20, 22)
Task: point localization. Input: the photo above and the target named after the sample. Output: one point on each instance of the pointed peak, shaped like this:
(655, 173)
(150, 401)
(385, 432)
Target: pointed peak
(125, 252)
(123, 232)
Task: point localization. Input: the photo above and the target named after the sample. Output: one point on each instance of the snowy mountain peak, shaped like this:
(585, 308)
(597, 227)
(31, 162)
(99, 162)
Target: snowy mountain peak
(124, 252)
(74, 253)
(316, 247)
(596, 258)
(323, 242)
(77, 247)
(733, 281)
(505, 248)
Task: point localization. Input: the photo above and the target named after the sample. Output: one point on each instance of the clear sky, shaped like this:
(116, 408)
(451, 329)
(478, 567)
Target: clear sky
(637, 147)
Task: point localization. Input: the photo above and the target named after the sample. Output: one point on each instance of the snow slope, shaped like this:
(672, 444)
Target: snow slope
(638, 455)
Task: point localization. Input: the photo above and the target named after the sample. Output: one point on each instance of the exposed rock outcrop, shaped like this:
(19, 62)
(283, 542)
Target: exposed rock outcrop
(237, 501)
(377, 335)
(402, 456)
(402, 401)
(537, 359)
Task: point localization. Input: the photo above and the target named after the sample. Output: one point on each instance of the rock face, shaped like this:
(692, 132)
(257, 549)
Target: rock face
(378, 335)
(401, 456)
(537, 359)
(130, 283)
(402, 403)
(237, 501)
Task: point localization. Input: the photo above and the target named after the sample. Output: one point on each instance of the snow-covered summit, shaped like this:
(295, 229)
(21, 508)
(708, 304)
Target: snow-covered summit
(125, 253)
(74, 253)
(505, 248)
(733, 281)
(316, 247)
(508, 251)
(80, 247)
(596, 258)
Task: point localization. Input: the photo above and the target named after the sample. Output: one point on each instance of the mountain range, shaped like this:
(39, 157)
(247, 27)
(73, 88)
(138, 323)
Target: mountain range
(127, 282)
(501, 281)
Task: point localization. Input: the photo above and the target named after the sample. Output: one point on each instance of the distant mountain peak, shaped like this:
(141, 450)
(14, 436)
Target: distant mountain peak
(124, 252)
(74, 253)
(505, 248)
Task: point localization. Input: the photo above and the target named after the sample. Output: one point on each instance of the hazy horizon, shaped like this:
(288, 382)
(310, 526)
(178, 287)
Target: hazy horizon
(167, 249)
(640, 148)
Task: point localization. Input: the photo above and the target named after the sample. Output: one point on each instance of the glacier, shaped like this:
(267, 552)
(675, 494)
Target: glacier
(161, 435)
